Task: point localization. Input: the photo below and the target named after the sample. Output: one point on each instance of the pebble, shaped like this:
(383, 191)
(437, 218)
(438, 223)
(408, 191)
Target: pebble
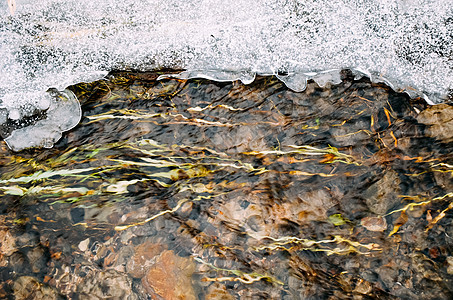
(83, 245)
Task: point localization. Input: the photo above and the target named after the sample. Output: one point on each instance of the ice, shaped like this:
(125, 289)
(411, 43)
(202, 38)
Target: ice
(297, 82)
(55, 43)
(3, 115)
(62, 114)
(217, 75)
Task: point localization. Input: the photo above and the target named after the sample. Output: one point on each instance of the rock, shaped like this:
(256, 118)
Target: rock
(374, 223)
(170, 277)
(28, 287)
(83, 245)
(108, 284)
(425, 267)
(7, 243)
(28, 239)
(439, 119)
(7, 246)
(383, 194)
(38, 259)
(363, 287)
(119, 259)
(19, 262)
(143, 258)
(218, 292)
(450, 265)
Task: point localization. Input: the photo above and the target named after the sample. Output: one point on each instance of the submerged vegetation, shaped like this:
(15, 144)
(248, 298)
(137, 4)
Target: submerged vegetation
(229, 190)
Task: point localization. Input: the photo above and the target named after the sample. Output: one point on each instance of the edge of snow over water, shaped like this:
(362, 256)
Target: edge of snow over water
(55, 43)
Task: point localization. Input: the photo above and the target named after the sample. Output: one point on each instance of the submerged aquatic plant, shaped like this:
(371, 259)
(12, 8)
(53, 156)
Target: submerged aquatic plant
(290, 243)
(419, 201)
(246, 278)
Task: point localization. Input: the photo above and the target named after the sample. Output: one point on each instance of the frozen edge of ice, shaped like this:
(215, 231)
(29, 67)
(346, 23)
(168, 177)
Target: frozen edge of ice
(298, 81)
(45, 133)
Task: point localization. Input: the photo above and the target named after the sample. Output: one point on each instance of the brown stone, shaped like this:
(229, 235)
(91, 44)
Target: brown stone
(363, 287)
(170, 277)
(450, 265)
(28, 287)
(218, 292)
(143, 258)
(439, 119)
(108, 284)
(383, 194)
(374, 223)
(7, 243)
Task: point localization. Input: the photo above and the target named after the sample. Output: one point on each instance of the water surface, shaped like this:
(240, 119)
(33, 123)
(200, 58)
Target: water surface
(197, 189)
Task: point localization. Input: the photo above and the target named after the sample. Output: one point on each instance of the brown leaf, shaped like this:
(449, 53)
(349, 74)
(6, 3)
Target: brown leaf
(429, 218)
(439, 217)
(399, 222)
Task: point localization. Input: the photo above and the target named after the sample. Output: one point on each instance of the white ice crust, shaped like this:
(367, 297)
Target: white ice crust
(55, 43)
(62, 114)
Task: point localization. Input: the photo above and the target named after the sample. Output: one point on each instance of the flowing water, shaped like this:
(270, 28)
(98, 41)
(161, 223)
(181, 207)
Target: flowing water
(198, 189)
(286, 150)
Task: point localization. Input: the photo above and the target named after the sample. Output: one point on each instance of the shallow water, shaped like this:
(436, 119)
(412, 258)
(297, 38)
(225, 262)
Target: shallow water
(218, 190)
